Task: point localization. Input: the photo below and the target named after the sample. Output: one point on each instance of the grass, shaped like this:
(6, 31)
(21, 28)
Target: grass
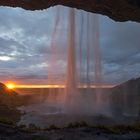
(115, 129)
(7, 121)
(121, 128)
(77, 124)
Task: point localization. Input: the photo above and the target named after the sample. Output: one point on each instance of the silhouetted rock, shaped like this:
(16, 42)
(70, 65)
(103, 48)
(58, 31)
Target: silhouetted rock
(9, 100)
(125, 98)
(5, 91)
(130, 87)
(119, 10)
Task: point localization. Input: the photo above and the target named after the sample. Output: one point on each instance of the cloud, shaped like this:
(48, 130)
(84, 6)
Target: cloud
(120, 49)
(26, 36)
(5, 58)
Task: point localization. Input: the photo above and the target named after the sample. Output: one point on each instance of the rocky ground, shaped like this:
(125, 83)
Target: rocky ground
(81, 133)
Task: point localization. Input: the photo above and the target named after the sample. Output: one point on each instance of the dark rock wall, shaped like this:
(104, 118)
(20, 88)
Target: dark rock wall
(119, 10)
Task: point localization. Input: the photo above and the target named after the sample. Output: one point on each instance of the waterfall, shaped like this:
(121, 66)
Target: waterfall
(83, 62)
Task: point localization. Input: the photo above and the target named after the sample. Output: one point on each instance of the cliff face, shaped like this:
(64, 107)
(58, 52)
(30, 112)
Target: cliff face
(130, 87)
(126, 98)
(119, 10)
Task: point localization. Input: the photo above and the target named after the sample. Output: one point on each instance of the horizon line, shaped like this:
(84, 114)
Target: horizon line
(61, 86)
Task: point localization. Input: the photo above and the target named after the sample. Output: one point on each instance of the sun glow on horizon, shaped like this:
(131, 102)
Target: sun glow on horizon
(10, 85)
(13, 86)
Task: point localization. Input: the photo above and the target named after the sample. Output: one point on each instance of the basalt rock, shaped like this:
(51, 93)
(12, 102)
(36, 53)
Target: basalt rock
(119, 10)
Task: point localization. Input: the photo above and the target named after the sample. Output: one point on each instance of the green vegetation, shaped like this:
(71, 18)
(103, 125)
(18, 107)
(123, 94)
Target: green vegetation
(53, 127)
(22, 126)
(119, 129)
(9, 113)
(77, 124)
(116, 129)
(6, 121)
(30, 128)
(33, 127)
(113, 129)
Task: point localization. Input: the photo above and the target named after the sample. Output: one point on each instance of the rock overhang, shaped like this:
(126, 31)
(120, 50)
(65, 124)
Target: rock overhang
(118, 10)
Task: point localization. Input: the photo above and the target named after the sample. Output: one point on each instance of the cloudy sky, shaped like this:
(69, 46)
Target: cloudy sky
(25, 38)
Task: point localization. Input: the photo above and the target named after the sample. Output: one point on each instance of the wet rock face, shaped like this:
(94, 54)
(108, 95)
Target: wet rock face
(119, 10)
(134, 2)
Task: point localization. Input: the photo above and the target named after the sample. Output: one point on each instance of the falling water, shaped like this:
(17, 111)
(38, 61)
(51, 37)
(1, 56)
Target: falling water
(83, 63)
(89, 60)
(53, 48)
(72, 101)
(71, 71)
(53, 53)
(96, 59)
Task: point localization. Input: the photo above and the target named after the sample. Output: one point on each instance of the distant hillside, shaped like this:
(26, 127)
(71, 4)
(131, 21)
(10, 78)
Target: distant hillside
(5, 91)
(131, 87)
(126, 97)
(9, 100)
(7, 96)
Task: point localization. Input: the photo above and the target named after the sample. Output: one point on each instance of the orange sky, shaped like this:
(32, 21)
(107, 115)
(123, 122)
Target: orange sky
(12, 85)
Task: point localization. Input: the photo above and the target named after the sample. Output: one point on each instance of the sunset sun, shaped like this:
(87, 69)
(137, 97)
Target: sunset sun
(10, 85)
